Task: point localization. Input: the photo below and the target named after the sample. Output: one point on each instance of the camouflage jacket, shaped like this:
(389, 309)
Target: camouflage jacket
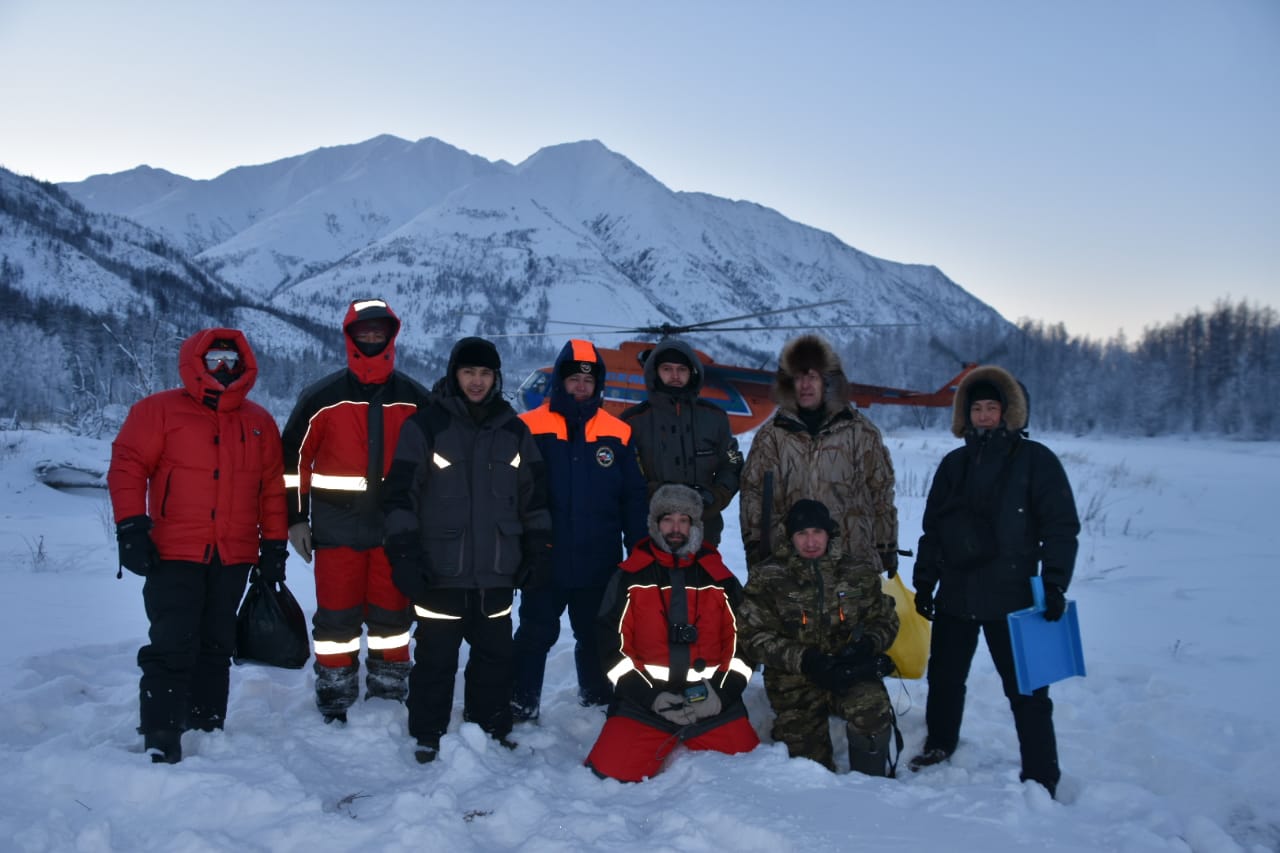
(793, 603)
(846, 466)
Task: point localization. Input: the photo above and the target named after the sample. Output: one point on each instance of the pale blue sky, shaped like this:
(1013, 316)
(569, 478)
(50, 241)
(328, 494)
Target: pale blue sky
(1101, 163)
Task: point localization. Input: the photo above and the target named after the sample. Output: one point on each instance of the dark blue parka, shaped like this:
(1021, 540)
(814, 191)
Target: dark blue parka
(598, 495)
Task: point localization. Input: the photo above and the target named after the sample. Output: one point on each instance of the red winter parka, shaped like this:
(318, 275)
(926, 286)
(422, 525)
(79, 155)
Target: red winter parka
(203, 462)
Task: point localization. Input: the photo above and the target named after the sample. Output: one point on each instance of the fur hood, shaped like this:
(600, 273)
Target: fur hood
(680, 499)
(1011, 394)
(810, 352)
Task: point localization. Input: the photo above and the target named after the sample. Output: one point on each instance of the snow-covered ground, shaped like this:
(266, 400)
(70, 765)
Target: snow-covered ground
(1170, 743)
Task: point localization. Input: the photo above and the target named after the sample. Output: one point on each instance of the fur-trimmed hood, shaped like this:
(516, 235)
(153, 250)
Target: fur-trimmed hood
(680, 499)
(810, 352)
(1012, 398)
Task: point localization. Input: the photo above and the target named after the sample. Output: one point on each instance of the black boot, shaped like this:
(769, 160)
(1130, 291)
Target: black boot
(929, 757)
(869, 755)
(427, 749)
(164, 746)
(387, 679)
(336, 689)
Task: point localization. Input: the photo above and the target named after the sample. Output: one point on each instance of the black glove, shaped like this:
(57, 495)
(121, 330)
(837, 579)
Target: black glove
(889, 560)
(708, 496)
(1055, 602)
(409, 570)
(138, 553)
(535, 568)
(924, 603)
(822, 669)
(861, 651)
(271, 556)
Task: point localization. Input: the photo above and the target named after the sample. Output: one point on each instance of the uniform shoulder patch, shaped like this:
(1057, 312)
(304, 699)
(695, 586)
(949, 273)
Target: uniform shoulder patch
(605, 456)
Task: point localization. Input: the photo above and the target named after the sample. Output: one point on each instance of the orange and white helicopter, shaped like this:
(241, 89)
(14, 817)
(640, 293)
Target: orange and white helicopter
(745, 393)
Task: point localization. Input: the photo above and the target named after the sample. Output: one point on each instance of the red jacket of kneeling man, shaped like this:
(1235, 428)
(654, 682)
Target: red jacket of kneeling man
(669, 641)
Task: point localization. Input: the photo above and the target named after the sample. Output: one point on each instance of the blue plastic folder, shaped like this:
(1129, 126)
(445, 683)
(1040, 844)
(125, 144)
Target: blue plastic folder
(1044, 651)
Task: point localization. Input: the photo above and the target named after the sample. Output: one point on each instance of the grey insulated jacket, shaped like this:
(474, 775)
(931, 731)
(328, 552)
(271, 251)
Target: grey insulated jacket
(680, 438)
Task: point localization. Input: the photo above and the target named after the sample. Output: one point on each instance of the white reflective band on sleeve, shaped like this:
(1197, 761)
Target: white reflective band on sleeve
(368, 303)
(660, 673)
(440, 461)
(736, 665)
(292, 481)
(515, 463)
(384, 643)
(500, 614)
(431, 614)
(339, 483)
(330, 647)
(700, 674)
(623, 667)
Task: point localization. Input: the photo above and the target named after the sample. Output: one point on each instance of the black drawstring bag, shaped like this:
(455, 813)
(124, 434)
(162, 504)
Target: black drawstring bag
(270, 627)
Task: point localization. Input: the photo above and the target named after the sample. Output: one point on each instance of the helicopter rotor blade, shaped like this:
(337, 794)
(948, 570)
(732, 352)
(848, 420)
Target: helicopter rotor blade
(788, 328)
(549, 322)
(694, 327)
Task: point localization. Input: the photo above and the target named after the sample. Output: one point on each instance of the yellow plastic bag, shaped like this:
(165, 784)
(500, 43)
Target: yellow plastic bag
(910, 651)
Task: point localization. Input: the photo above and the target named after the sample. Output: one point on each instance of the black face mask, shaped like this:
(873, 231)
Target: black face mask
(369, 350)
(224, 376)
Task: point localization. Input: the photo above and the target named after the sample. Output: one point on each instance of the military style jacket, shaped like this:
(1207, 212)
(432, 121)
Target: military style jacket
(793, 604)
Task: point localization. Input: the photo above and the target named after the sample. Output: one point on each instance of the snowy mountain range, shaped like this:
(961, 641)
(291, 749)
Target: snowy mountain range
(576, 235)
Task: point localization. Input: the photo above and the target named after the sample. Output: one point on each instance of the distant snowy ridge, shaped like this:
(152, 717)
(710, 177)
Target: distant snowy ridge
(574, 233)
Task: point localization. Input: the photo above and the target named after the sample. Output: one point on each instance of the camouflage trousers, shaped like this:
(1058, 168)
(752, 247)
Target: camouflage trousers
(802, 710)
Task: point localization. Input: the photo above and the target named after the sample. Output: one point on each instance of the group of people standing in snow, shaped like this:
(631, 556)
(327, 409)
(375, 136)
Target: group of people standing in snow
(426, 511)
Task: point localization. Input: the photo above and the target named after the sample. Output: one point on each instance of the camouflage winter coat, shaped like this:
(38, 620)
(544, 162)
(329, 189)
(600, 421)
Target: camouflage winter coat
(846, 466)
(828, 603)
(843, 463)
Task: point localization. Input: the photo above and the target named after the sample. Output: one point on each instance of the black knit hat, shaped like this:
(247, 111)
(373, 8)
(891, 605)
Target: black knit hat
(985, 391)
(475, 352)
(806, 513)
(569, 367)
(671, 355)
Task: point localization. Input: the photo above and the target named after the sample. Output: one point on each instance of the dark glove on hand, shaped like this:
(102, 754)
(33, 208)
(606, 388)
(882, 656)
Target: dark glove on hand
(708, 496)
(138, 553)
(409, 571)
(924, 603)
(535, 568)
(271, 557)
(822, 669)
(861, 651)
(1055, 602)
(889, 560)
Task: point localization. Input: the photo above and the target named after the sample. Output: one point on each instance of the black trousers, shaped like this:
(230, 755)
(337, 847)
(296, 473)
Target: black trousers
(446, 617)
(951, 651)
(185, 667)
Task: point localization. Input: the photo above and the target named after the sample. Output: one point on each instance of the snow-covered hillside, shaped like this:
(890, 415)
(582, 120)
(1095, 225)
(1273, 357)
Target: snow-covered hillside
(576, 232)
(1169, 744)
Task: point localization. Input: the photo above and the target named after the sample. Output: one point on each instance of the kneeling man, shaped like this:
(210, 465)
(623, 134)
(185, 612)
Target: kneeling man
(669, 640)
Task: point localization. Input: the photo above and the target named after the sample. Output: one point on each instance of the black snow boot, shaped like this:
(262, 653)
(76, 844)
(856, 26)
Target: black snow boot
(929, 757)
(427, 750)
(164, 746)
(387, 679)
(869, 755)
(336, 689)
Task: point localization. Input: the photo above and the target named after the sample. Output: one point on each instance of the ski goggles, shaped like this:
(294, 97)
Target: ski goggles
(216, 358)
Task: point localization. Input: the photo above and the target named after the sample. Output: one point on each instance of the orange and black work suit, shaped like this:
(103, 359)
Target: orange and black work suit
(338, 445)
